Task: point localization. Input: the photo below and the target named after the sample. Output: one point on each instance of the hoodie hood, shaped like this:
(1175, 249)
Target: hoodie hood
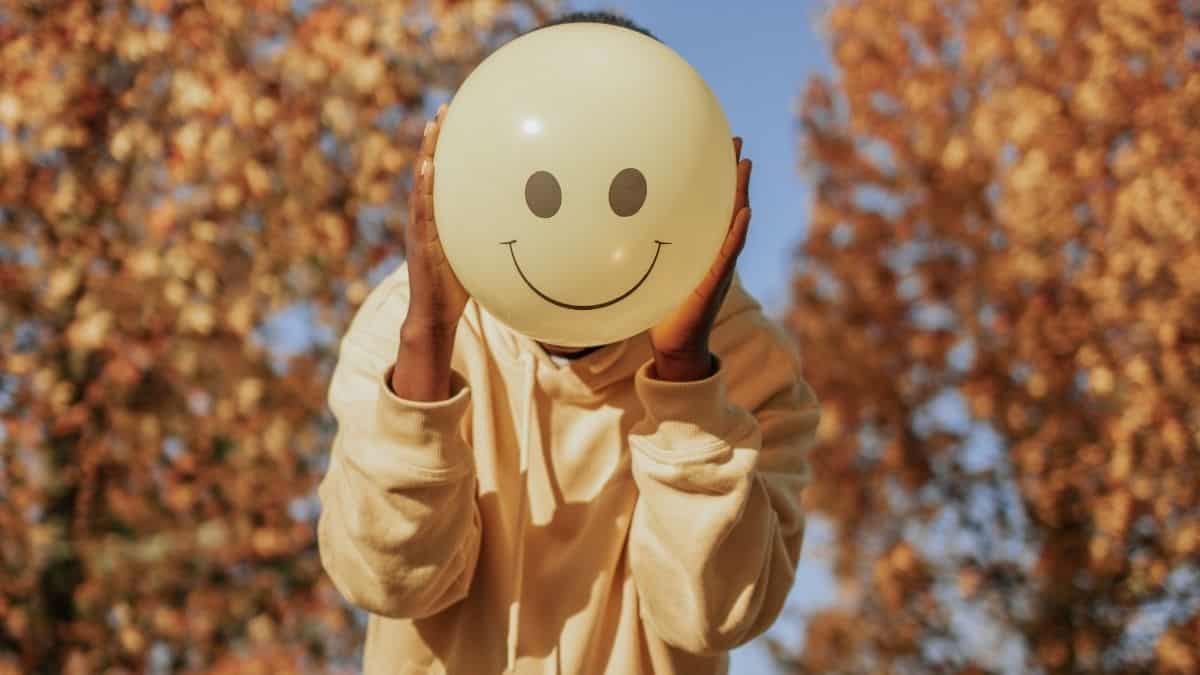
(582, 378)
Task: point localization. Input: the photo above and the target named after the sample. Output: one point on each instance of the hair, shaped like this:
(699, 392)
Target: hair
(607, 18)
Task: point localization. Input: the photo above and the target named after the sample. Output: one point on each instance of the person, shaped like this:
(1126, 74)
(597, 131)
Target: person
(501, 505)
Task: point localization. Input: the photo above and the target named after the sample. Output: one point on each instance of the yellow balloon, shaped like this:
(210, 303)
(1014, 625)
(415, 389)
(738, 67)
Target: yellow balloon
(584, 181)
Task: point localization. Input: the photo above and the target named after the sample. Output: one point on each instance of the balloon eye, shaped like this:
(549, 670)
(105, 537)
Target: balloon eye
(627, 193)
(543, 194)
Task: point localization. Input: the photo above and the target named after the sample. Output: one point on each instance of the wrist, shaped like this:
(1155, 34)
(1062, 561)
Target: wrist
(683, 367)
(424, 332)
(422, 368)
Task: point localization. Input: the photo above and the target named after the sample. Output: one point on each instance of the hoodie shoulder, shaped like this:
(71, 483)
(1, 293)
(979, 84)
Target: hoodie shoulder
(739, 312)
(746, 338)
(375, 326)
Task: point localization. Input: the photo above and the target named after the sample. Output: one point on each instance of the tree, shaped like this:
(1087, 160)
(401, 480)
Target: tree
(179, 183)
(999, 302)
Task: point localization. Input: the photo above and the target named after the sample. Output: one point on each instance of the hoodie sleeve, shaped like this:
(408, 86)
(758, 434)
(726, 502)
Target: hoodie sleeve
(720, 466)
(399, 529)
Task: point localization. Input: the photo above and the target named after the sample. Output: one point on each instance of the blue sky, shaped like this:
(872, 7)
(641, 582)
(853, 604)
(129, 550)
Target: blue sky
(756, 56)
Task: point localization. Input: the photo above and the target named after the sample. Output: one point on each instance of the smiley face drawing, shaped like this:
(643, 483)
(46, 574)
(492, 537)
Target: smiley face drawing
(626, 196)
(584, 181)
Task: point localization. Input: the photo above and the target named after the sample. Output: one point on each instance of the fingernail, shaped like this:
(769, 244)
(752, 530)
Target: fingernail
(428, 128)
(424, 166)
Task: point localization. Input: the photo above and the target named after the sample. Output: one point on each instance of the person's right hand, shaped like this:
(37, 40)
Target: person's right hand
(436, 297)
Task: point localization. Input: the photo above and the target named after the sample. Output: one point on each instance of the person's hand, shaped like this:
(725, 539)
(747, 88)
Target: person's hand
(436, 297)
(681, 340)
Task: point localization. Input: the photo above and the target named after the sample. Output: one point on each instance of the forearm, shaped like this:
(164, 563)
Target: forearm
(688, 367)
(399, 526)
(712, 561)
(406, 551)
(718, 525)
(422, 369)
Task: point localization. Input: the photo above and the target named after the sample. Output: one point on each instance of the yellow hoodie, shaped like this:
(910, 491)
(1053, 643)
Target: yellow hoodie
(565, 519)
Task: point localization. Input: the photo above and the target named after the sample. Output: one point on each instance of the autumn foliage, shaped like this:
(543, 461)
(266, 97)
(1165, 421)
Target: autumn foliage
(1000, 308)
(193, 197)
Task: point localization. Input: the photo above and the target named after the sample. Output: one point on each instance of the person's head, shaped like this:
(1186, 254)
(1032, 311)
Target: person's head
(607, 18)
(610, 19)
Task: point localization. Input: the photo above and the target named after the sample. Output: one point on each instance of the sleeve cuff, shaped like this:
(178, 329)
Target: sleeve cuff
(685, 416)
(429, 431)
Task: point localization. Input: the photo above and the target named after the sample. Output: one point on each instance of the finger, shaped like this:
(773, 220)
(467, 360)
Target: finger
(722, 268)
(735, 241)
(737, 147)
(430, 134)
(422, 186)
(741, 197)
(430, 146)
(429, 138)
(744, 182)
(414, 189)
(438, 119)
(428, 185)
(416, 207)
(423, 197)
(423, 158)
(414, 230)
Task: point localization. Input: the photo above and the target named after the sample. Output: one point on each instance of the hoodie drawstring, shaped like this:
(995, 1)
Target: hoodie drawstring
(528, 425)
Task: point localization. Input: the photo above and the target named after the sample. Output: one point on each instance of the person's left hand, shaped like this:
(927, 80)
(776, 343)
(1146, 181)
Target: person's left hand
(681, 340)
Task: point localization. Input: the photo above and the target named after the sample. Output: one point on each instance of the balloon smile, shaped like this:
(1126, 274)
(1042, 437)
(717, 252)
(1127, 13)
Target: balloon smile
(567, 305)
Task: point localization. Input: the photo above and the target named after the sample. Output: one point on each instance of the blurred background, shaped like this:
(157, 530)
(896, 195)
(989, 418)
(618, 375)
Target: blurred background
(980, 219)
